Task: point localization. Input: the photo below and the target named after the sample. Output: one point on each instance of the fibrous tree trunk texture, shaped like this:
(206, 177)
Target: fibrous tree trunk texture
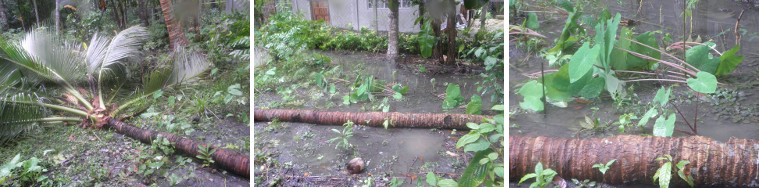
(392, 38)
(376, 119)
(228, 160)
(144, 13)
(3, 17)
(712, 163)
(451, 31)
(177, 39)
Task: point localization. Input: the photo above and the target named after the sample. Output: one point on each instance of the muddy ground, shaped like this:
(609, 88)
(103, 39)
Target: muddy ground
(730, 112)
(297, 154)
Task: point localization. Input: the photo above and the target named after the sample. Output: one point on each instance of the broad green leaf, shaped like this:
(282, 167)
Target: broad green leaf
(649, 114)
(235, 90)
(582, 61)
(447, 183)
(565, 4)
(479, 145)
(453, 96)
(532, 92)
(527, 177)
(473, 126)
(662, 96)
(557, 84)
(531, 103)
(664, 174)
(486, 128)
(426, 40)
(593, 88)
(636, 63)
(665, 127)
(431, 179)
(700, 58)
(475, 105)
(612, 83)
(532, 21)
(475, 173)
(704, 83)
(618, 59)
(728, 61)
(468, 138)
(498, 171)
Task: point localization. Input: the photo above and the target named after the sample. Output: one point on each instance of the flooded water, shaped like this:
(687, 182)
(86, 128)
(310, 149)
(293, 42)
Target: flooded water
(733, 113)
(395, 152)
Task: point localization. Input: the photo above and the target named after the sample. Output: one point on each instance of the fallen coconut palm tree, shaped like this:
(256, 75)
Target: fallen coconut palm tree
(43, 80)
(374, 119)
(712, 163)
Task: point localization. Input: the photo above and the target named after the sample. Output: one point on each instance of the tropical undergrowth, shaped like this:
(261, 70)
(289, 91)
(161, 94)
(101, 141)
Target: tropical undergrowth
(614, 57)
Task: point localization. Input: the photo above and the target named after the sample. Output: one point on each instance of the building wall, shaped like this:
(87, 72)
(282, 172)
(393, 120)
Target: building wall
(354, 14)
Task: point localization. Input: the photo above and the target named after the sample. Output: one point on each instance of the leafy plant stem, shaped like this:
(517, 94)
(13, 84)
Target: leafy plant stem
(57, 107)
(50, 119)
(542, 72)
(684, 119)
(665, 53)
(692, 73)
(666, 80)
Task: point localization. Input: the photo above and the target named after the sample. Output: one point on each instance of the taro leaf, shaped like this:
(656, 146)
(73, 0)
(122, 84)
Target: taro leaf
(665, 127)
(609, 38)
(532, 92)
(475, 105)
(475, 173)
(635, 62)
(426, 40)
(593, 88)
(662, 96)
(649, 114)
(704, 83)
(582, 61)
(728, 61)
(700, 58)
(532, 21)
(618, 57)
(612, 83)
(565, 4)
(557, 84)
(453, 96)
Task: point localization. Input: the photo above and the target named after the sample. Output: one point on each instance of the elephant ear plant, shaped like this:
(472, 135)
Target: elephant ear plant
(44, 79)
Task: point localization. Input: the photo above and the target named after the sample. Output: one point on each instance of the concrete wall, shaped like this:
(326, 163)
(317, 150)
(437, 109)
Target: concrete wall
(354, 14)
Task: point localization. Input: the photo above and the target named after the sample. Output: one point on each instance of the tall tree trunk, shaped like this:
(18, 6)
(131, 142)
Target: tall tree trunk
(451, 28)
(421, 13)
(57, 16)
(483, 15)
(3, 17)
(36, 15)
(376, 16)
(144, 13)
(715, 163)
(392, 38)
(123, 21)
(376, 119)
(228, 160)
(177, 39)
(437, 50)
(115, 12)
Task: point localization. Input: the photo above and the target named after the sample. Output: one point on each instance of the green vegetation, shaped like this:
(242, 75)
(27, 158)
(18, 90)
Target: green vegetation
(604, 167)
(664, 173)
(542, 177)
(346, 134)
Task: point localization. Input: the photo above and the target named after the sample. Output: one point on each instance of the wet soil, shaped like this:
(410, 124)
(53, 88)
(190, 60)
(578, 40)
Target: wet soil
(731, 112)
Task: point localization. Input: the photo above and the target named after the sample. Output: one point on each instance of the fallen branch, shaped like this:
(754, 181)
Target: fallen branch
(228, 160)
(374, 119)
(712, 163)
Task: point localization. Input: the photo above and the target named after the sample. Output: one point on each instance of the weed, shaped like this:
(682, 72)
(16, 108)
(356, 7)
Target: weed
(542, 177)
(205, 155)
(583, 183)
(603, 167)
(664, 173)
(342, 139)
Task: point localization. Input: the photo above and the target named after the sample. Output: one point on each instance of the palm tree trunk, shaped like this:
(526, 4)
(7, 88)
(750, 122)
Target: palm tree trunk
(228, 160)
(177, 39)
(451, 28)
(375, 119)
(392, 38)
(712, 163)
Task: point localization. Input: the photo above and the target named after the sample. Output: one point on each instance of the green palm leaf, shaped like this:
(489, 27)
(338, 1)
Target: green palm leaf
(16, 117)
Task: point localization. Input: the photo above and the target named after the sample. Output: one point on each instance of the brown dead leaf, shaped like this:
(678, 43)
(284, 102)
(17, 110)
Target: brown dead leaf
(452, 154)
(71, 137)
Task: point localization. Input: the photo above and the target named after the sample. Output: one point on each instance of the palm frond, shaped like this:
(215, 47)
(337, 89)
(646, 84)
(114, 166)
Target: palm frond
(102, 54)
(17, 117)
(185, 66)
(55, 58)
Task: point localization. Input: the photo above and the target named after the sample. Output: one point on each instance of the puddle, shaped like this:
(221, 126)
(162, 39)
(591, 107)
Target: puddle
(302, 148)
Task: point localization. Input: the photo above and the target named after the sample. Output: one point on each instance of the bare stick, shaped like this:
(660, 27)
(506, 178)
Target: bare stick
(666, 80)
(737, 35)
(665, 53)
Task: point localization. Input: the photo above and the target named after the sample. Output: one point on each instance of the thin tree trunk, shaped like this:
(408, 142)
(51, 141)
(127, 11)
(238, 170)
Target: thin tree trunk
(712, 163)
(392, 38)
(57, 16)
(376, 119)
(177, 39)
(36, 15)
(451, 33)
(376, 16)
(123, 21)
(437, 50)
(421, 13)
(483, 15)
(144, 13)
(228, 160)
(116, 17)
(3, 17)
